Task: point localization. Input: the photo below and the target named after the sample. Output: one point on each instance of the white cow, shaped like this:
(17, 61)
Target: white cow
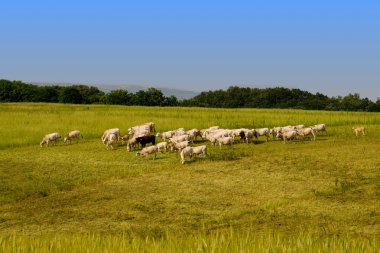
(225, 141)
(165, 135)
(131, 144)
(53, 137)
(111, 140)
(178, 145)
(179, 132)
(148, 150)
(287, 135)
(179, 138)
(138, 131)
(200, 150)
(105, 136)
(261, 132)
(194, 132)
(274, 131)
(162, 145)
(188, 151)
(319, 128)
(306, 132)
(75, 134)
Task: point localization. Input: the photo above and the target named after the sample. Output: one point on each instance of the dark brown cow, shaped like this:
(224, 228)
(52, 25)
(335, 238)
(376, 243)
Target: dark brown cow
(143, 140)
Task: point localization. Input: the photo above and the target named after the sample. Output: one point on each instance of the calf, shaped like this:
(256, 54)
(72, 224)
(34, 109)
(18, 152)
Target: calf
(359, 129)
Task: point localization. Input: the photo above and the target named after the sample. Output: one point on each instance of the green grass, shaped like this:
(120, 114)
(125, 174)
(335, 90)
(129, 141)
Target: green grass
(320, 196)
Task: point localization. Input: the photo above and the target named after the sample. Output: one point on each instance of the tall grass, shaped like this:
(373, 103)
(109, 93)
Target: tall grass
(231, 241)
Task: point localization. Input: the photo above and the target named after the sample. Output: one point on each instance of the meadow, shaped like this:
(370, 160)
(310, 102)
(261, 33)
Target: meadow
(305, 196)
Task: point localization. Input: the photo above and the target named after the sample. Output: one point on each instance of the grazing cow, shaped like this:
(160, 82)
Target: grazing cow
(200, 150)
(139, 131)
(179, 138)
(359, 129)
(112, 138)
(148, 150)
(53, 137)
(143, 140)
(179, 131)
(194, 133)
(72, 135)
(238, 132)
(178, 145)
(306, 132)
(225, 141)
(188, 151)
(246, 135)
(162, 145)
(106, 134)
(287, 135)
(274, 131)
(261, 132)
(165, 135)
(142, 130)
(131, 144)
(319, 128)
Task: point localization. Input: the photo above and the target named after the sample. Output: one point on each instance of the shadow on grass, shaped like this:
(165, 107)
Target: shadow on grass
(257, 142)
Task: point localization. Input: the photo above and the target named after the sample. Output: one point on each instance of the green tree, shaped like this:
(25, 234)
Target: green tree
(118, 97)
(70, 95)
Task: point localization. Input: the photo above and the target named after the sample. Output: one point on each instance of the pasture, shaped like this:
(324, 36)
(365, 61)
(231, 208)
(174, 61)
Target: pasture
(311, 196)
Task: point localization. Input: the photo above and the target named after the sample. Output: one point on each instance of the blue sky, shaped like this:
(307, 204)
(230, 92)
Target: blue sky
(332, 47)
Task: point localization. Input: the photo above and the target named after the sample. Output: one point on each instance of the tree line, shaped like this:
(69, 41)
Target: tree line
(279, 97)
(17, 91)
(233, 97)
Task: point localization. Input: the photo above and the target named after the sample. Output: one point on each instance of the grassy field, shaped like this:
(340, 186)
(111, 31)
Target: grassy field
(306, 196)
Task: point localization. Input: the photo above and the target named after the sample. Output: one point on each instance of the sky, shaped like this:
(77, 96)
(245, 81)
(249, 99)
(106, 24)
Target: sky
(326, 46)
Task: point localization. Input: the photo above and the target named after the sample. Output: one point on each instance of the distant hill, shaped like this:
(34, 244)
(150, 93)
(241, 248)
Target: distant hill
(178, 93)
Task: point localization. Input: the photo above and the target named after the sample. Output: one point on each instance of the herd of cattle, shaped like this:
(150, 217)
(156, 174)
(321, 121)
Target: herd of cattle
(181, 140)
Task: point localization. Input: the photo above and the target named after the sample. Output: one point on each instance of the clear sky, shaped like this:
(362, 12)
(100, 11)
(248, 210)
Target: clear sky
(329, 46)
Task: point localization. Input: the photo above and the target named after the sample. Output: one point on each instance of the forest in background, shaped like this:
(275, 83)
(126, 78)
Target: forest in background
(233, 97)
